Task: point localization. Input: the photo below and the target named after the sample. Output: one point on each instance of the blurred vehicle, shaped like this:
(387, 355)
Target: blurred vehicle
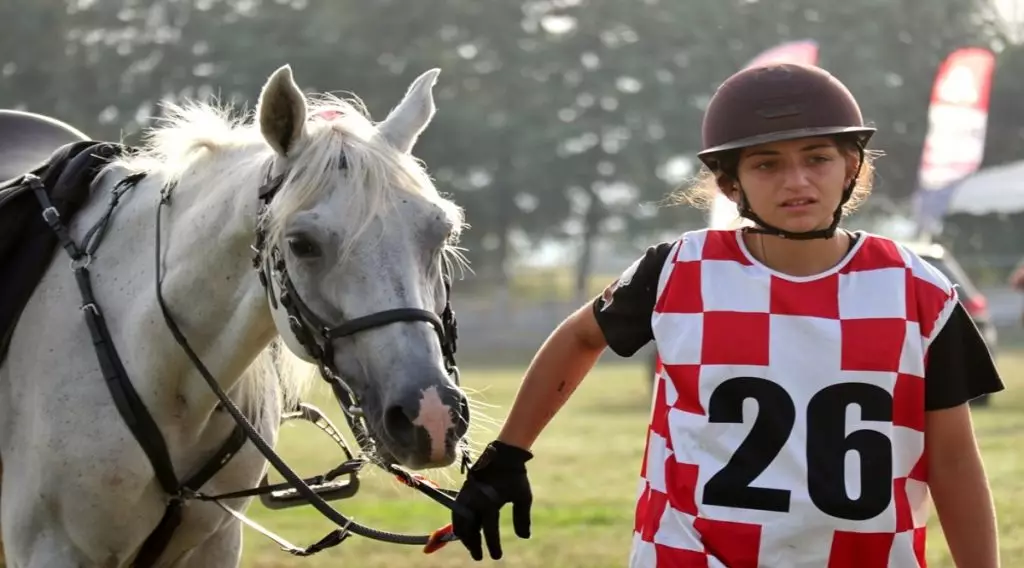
(972, 299)
(1016, 282)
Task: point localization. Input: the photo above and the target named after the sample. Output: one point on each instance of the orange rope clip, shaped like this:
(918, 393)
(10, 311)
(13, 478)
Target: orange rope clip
(436, 542)
(423, 479)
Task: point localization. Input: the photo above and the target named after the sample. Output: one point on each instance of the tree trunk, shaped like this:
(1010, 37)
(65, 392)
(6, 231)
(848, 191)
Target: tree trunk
(591, 231)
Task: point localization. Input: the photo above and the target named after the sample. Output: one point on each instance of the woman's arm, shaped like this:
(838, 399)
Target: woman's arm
(960, 369)
(569, 353)
(1016, 279)
(959, 488)
(620, 319)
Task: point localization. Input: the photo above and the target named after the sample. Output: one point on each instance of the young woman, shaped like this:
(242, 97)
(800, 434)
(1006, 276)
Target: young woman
(813, 381)
(1016, 282)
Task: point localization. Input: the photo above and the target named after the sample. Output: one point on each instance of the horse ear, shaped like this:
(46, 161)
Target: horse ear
(282, 111)
(409, 119)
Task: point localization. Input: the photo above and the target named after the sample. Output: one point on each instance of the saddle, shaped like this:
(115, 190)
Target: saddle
(26, 139)
(27, 244)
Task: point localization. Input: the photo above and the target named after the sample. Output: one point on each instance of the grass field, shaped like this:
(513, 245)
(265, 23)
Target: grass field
(584, 478)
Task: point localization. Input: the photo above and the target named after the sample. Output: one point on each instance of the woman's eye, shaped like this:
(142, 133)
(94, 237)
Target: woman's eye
(303, 247)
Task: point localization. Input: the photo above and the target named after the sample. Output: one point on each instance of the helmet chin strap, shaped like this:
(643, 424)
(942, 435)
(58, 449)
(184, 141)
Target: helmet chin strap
(827, 233)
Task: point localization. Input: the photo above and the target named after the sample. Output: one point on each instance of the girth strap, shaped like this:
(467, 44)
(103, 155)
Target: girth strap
(158, 540)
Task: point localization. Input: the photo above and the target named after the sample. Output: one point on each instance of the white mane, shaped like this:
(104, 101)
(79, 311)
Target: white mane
(204, 145)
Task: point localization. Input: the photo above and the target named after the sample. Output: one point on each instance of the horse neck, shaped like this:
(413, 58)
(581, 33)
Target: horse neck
(211, 291)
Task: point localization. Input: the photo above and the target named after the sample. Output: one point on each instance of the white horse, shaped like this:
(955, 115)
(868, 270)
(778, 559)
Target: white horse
(360, 229)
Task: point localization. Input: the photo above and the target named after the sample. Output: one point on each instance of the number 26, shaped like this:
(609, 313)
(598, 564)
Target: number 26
(827, 445)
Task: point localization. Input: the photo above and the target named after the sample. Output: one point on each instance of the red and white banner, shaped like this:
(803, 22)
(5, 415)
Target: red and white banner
(957, 118)
(954, 145)
(723, 210)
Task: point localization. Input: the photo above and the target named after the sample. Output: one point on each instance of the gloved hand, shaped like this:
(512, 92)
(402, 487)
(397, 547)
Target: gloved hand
(497, 477)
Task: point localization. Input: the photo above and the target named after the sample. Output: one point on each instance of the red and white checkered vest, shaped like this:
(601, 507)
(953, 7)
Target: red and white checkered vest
(774, 393)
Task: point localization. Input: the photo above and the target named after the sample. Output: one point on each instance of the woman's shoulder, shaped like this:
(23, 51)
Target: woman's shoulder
(708, 244)
(888, 252)
(930, 295)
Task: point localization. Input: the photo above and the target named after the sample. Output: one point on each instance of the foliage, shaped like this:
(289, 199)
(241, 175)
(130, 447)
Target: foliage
(558, 119)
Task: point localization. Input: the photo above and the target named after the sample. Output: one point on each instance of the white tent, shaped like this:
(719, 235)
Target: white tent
(999, 189)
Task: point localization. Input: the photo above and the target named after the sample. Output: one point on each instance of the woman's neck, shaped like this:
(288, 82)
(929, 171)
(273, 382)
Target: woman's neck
(795, 257)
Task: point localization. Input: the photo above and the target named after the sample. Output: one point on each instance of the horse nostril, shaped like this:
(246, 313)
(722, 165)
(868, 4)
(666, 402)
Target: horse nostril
(398, 423)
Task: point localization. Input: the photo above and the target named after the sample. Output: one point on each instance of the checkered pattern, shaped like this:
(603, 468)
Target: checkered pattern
(720, 314)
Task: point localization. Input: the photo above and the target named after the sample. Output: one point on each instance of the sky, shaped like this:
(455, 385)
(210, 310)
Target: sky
(1013, 12)
(1011, 9)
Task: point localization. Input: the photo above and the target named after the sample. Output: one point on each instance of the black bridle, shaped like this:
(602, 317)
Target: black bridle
(316, 337)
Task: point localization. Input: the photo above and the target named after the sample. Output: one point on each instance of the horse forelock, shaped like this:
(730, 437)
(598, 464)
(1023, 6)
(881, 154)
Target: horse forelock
(339, 133)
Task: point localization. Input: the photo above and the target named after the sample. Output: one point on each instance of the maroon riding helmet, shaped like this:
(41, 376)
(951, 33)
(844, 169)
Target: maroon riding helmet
(779, 102)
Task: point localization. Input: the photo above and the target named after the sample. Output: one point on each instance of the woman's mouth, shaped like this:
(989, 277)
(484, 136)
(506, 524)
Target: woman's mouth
(798, 202)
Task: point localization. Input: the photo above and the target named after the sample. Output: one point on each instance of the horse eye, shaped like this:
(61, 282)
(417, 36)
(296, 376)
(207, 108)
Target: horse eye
(302, 247)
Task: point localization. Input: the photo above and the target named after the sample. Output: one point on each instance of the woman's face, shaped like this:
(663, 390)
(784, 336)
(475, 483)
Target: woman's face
(795, 185)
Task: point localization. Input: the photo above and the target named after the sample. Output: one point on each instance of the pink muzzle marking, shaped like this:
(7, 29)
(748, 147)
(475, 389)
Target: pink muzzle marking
(435, 417)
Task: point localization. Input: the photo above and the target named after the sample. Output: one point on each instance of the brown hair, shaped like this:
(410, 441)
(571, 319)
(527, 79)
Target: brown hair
(702, 190)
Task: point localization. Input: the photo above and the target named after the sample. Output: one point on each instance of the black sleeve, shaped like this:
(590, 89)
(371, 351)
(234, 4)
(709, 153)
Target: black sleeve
(960, 366)
(624, 309)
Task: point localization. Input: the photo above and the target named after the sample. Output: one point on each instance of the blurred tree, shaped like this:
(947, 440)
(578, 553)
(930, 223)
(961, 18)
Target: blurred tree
(559, 120)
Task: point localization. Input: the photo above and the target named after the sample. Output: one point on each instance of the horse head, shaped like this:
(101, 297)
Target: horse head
(355, 250)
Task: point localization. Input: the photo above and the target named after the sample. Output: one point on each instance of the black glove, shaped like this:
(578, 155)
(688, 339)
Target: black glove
(497, 477)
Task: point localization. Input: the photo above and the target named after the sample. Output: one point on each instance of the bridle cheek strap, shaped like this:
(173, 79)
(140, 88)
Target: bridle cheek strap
(282, 321)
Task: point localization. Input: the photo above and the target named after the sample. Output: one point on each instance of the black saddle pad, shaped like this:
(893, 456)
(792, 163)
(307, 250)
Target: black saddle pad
(27, 244)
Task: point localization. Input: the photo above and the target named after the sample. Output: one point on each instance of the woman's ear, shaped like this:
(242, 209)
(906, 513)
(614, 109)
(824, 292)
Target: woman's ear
(852, 164)
(727, 185)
